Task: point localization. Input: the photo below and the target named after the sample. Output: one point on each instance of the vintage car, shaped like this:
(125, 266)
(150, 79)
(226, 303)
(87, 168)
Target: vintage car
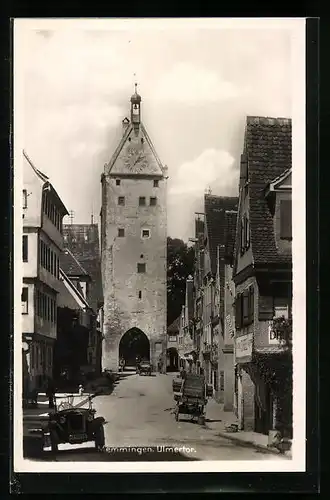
(69, 423)
(144, 368)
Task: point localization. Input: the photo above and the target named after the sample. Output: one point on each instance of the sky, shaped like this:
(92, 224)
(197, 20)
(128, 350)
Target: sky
(197, 83)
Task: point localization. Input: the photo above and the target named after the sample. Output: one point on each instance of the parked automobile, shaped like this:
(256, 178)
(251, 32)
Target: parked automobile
(144, 368)
(69, 423)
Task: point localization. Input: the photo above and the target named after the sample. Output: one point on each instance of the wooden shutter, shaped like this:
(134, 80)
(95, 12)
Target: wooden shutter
(247, 233)
(245, 307)
(286, 219)
(266, 308)
(242, 237)
(251, 304)
(25, 247)
(238, 311)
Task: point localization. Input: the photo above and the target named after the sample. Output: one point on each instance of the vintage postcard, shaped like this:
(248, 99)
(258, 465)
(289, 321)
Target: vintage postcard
(160, 291)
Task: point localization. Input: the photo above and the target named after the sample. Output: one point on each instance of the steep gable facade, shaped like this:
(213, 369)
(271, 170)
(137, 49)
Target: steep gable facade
(262, 265)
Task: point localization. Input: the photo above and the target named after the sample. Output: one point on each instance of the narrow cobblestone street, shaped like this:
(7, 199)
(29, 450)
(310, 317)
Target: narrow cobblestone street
(139, 415)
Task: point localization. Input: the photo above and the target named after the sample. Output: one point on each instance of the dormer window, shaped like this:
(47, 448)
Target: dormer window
(286, 219)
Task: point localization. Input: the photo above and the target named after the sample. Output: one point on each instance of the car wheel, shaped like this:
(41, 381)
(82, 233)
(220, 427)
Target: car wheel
(99, 438)
(53, 442)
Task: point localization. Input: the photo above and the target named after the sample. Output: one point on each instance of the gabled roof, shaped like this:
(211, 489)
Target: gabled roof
(268, 149)
(43, 177)
(135, 138)
(230, 232)
(175, 326)
(215, 218)
(70, 265)
(45, 184)
(83, 242)
(73, 291)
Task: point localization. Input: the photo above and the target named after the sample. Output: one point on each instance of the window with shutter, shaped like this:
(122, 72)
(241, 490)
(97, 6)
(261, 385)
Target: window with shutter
(24, 300)
(286, 219)
(24, 198)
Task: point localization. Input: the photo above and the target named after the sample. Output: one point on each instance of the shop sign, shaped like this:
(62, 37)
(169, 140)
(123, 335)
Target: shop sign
(243, 347)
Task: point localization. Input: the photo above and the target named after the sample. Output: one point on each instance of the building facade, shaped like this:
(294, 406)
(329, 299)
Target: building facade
(198, 288)
(262, 272)
(42, 244)
(186, 349)
(172, 358)
(82, 240)
(212, 347)
(229, 314)
(133, 248)
(75, 325)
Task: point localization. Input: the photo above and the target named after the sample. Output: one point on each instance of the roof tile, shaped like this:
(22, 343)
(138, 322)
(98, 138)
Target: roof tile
(215, 216)
(83, 241)
(268, 147)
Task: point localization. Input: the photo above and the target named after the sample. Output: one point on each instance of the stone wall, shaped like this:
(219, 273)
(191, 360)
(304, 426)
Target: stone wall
(133, 299)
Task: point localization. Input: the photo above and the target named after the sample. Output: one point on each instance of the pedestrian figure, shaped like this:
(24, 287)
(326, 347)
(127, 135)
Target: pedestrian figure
(122, 364)
(137, 360)
(50, 392)
(183, 373)
(81, 390)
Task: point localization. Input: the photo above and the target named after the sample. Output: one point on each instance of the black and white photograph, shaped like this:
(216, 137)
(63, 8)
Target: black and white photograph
(159, 245)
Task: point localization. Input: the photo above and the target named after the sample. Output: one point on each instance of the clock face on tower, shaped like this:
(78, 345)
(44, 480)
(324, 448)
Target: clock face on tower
(135, 160)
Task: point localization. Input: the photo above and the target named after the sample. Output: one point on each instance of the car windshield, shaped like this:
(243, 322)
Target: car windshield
(68, 401)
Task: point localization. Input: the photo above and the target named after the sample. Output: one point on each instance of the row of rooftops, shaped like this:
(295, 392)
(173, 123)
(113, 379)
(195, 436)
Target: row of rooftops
(267, 151)
(81, 258)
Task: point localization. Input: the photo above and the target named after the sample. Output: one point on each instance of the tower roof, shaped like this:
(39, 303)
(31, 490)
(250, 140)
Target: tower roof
(136, 98)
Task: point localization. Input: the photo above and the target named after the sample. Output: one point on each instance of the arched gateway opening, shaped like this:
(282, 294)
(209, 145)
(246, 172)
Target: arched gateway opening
(132, 344)
(172, 360)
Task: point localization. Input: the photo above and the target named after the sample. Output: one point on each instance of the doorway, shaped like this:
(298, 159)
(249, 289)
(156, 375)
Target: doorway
(134, 343)
(172, 360)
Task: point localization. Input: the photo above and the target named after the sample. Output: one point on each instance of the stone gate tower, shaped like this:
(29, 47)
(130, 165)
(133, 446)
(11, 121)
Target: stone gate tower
(133, 243)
